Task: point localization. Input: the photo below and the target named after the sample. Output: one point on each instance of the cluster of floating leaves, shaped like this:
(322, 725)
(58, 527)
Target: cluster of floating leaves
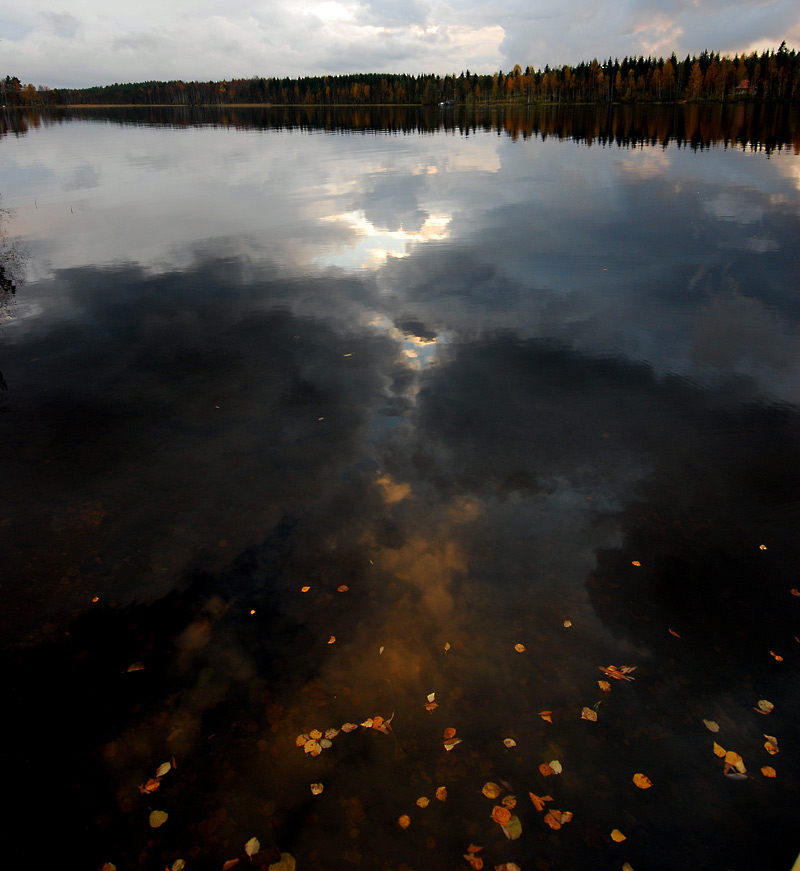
(314, 742)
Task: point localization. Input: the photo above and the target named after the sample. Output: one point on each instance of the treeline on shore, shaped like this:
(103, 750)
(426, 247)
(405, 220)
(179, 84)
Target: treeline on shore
(769, 76)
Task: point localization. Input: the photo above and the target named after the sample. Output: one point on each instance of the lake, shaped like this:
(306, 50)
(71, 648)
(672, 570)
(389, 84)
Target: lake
(475, 433)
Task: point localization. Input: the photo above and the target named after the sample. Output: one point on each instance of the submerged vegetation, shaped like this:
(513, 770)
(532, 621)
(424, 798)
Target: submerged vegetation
(769, 76)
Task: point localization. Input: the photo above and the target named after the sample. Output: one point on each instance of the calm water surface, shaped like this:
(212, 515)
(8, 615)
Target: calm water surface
(315, 421)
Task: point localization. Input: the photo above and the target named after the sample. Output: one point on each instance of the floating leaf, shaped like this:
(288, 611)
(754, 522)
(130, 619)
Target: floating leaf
(367, 724)
(711, 725)
(794, 591)
(178, 865)
(474, 848)
(231, 863)
(304, 589)
(509, 801)
(441, 793)
(604, 685)
(330, 734)
(567, 624)
(764, 707)
(718, 751)
(507, 866)
(449, 732)
(349, 727)
(431, 706)
(491, 789)
(545, 770)
(377, 722)
(589, 714)
(642, 781)
(501, 814)
(673, 632)
(380, 650)
(553, 820)
(404, 821)
(136, 666)
(285, 863)
(474, 862)
(520, 648)
(316, 788)
(627, 867)
(616, 835)
(509, 742)
(734, 760)
(448, 745)
(252, 846)
(315, 734)
(771, 745)
(431, 696)
(768, 771)
(539, 800)
(423, 801)
(332, 639)
(163, 769)
(513, 828)
(555, 766)
(300, 740)
(775, 656)
(158, 818)
(635, 562)
(446, 646)
(622, 672)
(343, 588)
(149, 786)
(547, 716)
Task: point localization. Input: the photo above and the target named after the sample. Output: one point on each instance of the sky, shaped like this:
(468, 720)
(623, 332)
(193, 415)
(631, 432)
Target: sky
(94, 42)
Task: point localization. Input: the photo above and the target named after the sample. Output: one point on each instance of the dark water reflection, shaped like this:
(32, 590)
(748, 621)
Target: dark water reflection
(487, 386)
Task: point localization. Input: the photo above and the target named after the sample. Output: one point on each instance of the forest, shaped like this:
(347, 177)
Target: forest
(772, 76)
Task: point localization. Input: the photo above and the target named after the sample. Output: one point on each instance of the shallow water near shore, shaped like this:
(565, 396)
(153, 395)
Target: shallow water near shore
(313, 419)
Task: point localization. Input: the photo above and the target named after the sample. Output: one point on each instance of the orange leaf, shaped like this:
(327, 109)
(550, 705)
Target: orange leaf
(546, 716)
(501, 815)
(342, 589)
(768, 771)
(474, 862)
(491, 789)
(794, 591)
(642, 781)
(520, 648)
(771, 653)
(136, 666)
(441, 793)
(673, 632)
(553, 819)
(718, 751)
(474, 848)
(616, 835)
(539, 800)
(545, 770)
(449, 732)
(404, 821)
(231, 863)
(377, 722)
(604, 685)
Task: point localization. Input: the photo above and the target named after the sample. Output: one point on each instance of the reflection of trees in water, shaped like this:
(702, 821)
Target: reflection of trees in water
(11, 261)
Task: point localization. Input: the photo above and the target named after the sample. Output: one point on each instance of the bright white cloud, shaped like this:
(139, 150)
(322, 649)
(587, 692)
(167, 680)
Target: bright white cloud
(94, 42)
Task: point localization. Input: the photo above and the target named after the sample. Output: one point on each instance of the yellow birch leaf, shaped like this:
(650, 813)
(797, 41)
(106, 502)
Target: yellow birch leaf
(423, 801)
(642, 781)
(771, 745)
(252, 846)
(509, 742)
(315, 734)
(719, 751)
(711, 725)
(441, 793)
(163, 769)
(616, 835)
(404, 821)
(555, 766)
(316, 788)
(768, 771)
(491, 789)
(604, 685)
(520, 648)
(158, 818)
(567, 624)
(764, 707)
